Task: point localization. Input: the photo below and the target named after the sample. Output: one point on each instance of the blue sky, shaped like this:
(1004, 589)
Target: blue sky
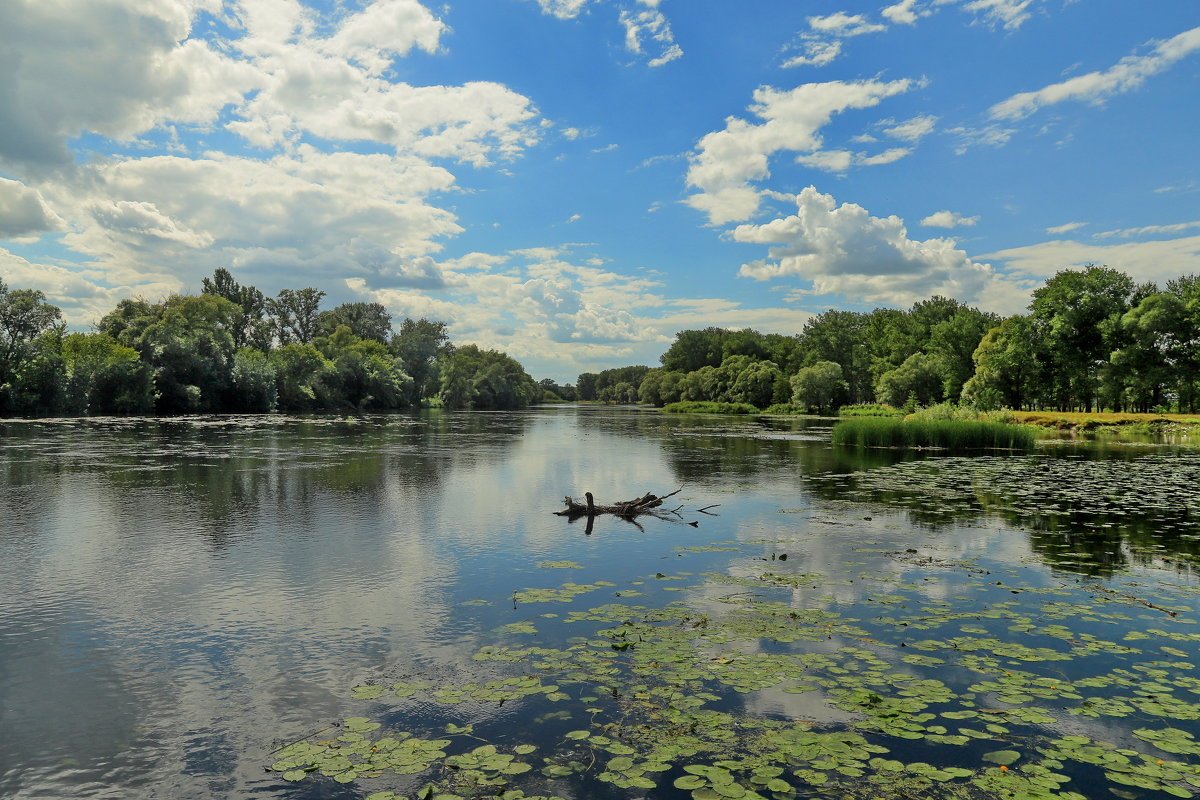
(574, 181)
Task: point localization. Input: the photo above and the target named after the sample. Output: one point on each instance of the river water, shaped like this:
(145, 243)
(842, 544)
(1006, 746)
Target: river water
(180, 598)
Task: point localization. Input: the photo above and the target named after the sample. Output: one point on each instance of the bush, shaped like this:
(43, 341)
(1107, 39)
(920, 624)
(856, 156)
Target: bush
(785, 409)
(709, 407)
(948, 434)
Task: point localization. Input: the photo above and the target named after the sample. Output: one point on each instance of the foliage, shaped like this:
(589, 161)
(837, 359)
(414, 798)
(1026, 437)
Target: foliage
(709, 407)
(419, 345)
(26, 364)
(949, 434)
(294, 315)
(870, 410)
(817, 386)
(104, 377)
(920, 376)
(365, 320)
(485, 379)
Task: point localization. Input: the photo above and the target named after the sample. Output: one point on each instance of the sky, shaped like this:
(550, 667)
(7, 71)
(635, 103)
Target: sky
(574, 181)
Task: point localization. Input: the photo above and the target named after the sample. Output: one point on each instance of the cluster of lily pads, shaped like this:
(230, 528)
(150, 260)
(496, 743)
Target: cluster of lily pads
(756, 683)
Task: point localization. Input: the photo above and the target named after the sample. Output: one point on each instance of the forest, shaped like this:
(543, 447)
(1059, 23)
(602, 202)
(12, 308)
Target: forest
(233, 349)
(1092, 339)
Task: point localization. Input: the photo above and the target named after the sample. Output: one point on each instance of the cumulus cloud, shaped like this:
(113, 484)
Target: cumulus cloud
(131, 67)
(815, 53)
(843, 249)
(79, 292)
(1007, 14)
(948, 219)
(843, 24)
(563, 9)
(1127, 74)
(23, 212)
(903, 13)
(727, 161)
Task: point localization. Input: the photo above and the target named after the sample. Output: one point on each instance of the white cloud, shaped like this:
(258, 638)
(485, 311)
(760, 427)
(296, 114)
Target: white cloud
(23, 212)
(728, 160)
(839, 161)
(1158, 260)
(948, 219)
(912, 130)
(844, 250)
(1010, 14)
(574, 218)
(1149, 230)
(79, 292)
(650, 25)
(131, 67)
(841, 24)
(1094, 87)
(1066, 227)
(563, 9)
(903, 13)
(817, 53)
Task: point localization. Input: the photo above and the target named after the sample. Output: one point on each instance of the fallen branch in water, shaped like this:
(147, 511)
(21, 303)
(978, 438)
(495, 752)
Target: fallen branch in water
(648, 504)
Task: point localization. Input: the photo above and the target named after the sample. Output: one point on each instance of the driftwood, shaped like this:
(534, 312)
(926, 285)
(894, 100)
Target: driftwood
(648, 504)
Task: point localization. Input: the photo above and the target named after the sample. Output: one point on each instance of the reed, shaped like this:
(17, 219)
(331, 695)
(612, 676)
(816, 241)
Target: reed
(709, 407)
(946, 434)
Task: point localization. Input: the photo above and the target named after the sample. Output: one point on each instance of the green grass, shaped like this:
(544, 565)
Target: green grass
(947, 434)
(708, 407)
(870, 410)
(785, 409)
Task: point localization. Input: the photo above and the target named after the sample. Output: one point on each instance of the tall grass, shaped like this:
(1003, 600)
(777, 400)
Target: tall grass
(709, 407)
(870, 410)
(949, 434)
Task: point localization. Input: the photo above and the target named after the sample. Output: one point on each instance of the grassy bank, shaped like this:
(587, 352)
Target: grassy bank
(708, 407)
(1105, 421)
(948, 434)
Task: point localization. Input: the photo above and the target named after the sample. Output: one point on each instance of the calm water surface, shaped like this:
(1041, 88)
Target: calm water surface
(179, 598)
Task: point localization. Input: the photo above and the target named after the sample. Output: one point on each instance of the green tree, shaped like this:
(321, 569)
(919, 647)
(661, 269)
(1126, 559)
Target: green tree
(756, 384)
(818, 386)
(252, 328)
(300, 377)
(24, 317)
(254, 383)
(920, 376)
(365, 374)
(1006, 366)
(953, 342)
(294, 315)
(485, 379)
(694, 349)
(419, 345)
(660, 387)
(365, 320)
(840, 337)
(1077, 315)
(189, 346)
(105, 377)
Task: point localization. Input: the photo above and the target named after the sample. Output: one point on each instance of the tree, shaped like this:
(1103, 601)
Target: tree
(251, 328)
(485, 379)
(365, 320)
(300, 377)
(1077, 316)
(189, 346)
(953, 342)
(254, 383)
(660, 387)
(920, 375)
(24, 317)
(756, 384)
(1006, 366)
(818, 386)
(840, 337)
(365, 375)
(294, 315)
(419, 345)
(585, 384)
(694, 349)
(105, 377)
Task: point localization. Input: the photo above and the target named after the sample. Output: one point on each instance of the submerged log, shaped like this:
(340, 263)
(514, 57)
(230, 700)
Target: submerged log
(648, 504)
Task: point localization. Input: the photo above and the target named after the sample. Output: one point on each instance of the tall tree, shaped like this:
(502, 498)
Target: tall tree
(365, 320)
(694, 349)
(25, 317)
(419, 344)
(294, 315)
(251, 328)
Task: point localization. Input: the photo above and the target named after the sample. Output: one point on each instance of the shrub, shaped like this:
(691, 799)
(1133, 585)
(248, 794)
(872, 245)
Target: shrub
(870, 410)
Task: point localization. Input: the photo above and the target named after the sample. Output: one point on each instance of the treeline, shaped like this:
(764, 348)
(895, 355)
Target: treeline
(1092, 338)
(233, 349)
